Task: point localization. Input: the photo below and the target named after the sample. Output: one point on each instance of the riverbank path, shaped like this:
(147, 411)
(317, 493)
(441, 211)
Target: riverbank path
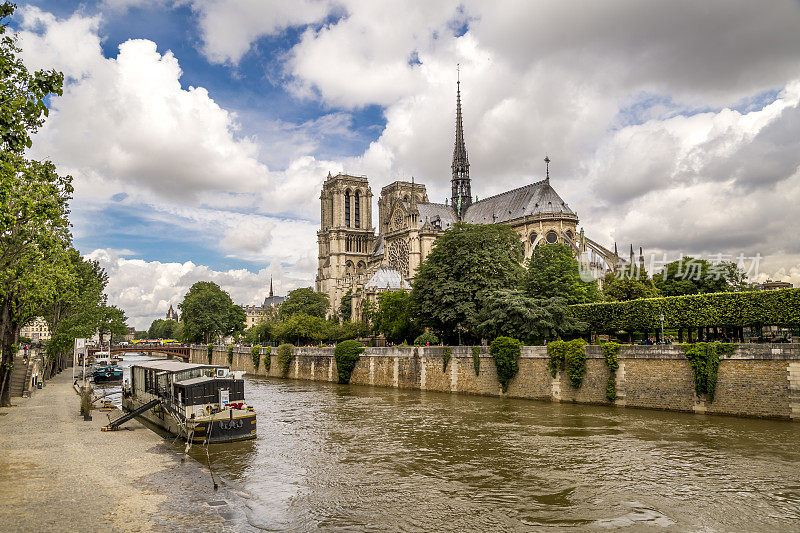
(61, 473)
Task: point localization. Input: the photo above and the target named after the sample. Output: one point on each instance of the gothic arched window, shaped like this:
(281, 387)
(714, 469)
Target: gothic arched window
(347, 208)
(358, 209)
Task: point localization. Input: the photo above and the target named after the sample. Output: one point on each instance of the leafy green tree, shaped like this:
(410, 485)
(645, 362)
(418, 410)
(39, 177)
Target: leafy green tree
(510, 313)
(260, 333)
(305, 301)
(112, 321)
(553, 272)
(346, 307)
(304, 329)
(698, 276)
(393, 317)
(622, 287)
(467, 263)
(208, 312)
(163, 328)
(140, 335)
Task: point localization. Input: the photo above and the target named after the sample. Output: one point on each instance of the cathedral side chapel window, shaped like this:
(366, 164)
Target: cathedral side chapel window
(552, 237)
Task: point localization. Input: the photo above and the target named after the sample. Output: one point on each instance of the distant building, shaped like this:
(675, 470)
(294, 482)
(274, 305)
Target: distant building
(268, 310)
(37, 330)
(130, 335)
(770, 285)
(172, 314)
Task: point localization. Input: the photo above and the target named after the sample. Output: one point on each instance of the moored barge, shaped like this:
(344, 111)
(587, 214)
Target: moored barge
(200, 403)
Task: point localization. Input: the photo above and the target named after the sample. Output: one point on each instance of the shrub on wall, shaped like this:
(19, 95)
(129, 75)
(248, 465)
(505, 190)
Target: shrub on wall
(570, 357)
(347, 354)
(446, 353)
(255, 351)
(575, 361)
(556, 351)
(230, 355)
(268, 359)
(704, 358)
(210, 353)
(426, 339)
(505, 352)
(285, 358)
(611, 352)
(476, 359)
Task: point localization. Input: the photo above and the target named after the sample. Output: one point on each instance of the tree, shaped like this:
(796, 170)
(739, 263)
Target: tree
(346, 307)
(305, 301)
(553, 272)
(260, 333)
(112, 321)
(622, 287)
(467, 263)
(698, 276)
(393, 317)
(208, 312)
(510, 313)
(302, 328)
(163, 329)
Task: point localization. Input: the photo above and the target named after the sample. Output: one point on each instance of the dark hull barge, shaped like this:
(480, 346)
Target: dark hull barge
(200, 403)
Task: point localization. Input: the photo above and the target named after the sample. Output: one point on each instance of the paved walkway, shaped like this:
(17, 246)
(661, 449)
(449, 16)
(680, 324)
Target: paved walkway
(60, 473)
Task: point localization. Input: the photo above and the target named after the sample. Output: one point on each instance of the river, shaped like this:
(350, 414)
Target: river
(366, 459)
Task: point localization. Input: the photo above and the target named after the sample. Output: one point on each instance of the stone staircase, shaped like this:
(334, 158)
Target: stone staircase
(19, 377)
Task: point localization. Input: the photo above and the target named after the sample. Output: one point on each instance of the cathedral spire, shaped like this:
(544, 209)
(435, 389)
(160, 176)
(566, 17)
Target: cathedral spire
(271, 293)
(460, 184)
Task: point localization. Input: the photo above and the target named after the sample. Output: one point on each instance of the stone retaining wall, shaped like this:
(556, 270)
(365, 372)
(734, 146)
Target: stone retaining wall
(757, 380)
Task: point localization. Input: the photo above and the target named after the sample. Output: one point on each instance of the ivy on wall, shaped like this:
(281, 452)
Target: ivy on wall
(255, 351)
(570, 357)
(726, 309)
(446, 354)
(611, 352)
(704, 358)
(230, 354)
(476, 359)
(268, 359)
(505, 352)
(347, 354)
(285, 357)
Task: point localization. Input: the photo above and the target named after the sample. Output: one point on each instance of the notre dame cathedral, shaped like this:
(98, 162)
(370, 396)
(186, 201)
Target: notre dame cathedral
(352, 258)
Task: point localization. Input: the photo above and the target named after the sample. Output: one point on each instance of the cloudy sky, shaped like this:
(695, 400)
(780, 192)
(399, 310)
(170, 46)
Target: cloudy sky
(199, 132)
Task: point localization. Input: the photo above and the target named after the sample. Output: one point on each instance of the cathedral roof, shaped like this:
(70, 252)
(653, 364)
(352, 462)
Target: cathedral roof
(387, 278)
(535, 199)
(429, 212)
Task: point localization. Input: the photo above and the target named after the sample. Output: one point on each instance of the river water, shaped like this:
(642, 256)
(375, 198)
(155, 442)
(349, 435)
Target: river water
(369, 459)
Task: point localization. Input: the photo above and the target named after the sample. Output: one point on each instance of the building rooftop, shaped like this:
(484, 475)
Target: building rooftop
(387, 278)
(535, 199)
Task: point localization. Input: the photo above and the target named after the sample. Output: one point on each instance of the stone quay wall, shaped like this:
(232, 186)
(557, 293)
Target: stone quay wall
(757, 380)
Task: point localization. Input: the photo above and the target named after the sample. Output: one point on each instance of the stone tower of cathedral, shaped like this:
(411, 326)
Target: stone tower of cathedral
(460, 185)
(346, 237)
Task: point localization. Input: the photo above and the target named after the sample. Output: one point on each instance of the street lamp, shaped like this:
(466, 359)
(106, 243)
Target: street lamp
(661, 316)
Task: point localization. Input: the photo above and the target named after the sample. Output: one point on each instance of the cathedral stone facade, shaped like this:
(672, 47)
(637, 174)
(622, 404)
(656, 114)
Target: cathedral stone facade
(354, 259)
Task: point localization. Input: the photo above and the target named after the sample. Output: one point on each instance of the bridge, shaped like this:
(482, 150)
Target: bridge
(170, 350)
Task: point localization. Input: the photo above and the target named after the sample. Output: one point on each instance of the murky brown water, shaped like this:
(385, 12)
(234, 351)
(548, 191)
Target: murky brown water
(366, 459)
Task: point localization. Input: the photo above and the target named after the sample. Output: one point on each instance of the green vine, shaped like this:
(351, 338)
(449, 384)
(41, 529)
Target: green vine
(570, 357)
(611, 352)
(285, 358)
(268, 359)
(255, 351)
(611, 388)
(446, 354)
(476, 359)
(704, 358)
(230, 355)
(347, 354)
(210, 353)
(505, 352)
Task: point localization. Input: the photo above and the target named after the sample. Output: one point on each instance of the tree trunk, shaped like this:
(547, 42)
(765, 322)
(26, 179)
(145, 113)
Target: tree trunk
(680, 335)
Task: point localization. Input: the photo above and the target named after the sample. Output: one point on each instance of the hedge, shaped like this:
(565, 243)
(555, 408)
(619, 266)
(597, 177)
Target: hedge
(720, 309)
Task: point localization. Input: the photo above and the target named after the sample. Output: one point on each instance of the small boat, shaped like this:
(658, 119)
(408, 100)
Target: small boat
(200, 403)
(104, 374)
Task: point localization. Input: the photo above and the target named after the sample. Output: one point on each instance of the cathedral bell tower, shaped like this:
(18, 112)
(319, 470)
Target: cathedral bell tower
(460, 184)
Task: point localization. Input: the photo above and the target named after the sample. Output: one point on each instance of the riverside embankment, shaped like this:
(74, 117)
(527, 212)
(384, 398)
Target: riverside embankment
(756, 380)
(60, 473)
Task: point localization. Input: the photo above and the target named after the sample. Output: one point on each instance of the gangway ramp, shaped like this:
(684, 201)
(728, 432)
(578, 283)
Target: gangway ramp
(136, 412)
